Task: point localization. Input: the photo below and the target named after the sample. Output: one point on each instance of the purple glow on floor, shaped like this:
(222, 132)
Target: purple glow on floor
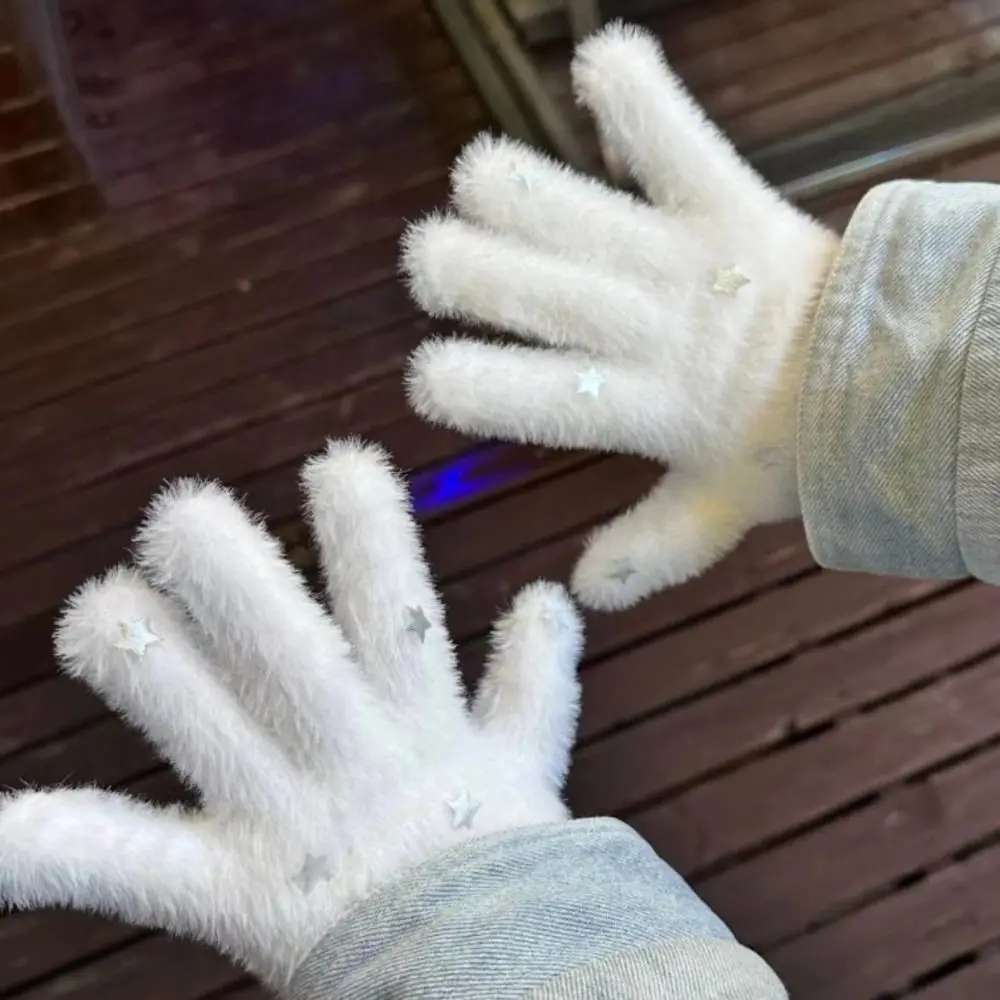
(469, 475)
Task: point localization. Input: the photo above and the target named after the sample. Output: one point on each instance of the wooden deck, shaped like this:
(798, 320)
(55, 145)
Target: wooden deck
(819, 753)
(818, 93)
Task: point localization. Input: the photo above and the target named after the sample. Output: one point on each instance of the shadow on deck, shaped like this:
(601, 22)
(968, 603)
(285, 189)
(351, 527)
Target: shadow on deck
(819, 753)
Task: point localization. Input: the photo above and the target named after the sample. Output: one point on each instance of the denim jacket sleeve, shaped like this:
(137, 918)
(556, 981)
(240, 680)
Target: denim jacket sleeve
(580, 910)
(899, 409)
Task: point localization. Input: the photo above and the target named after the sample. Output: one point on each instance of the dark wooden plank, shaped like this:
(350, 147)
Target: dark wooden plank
(315, 368)
(770, 627)
(164, 295)
(834, 45)
(220, 134)
(200, 166)
(774, 796)
(155, 968)
(341, 291)
(117, 76)
(715, 52)
(26, 120)
(36, 944)
(709, 25)
(800, 691)
(106, 752)
(149, 38)
(259, 993)
(362, 336)
(246, 107)
(151, 33)
(337, 368)
(38, 166)
(834, 99)
(47, 214)
(780, 894)
(162, 203)
(112, 503)
(33, 714)
(884, 946)
(976, 981)
(277, 195)
(250, 222)
(15, 79)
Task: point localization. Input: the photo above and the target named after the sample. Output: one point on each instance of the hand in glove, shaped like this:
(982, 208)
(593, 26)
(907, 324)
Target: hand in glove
(674, 329)
(331, 752)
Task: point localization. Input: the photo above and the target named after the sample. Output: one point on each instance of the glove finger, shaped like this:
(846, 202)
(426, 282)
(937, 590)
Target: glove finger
(561, 400)
(130, 645)
(458, 270)
(379, 583)
(92, 850)
(505, 185)
(647, 117)
(683, 526)
(530, 693)
(280, 651)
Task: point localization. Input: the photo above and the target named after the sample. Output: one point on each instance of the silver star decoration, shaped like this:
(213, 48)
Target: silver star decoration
(417, 622)
(463, 810)
(314, 871)
(589, 382)
(623, 573)
(136, 636)
(729, 280)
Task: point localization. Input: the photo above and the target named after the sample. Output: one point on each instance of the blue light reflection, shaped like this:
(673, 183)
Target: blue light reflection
(467, 476)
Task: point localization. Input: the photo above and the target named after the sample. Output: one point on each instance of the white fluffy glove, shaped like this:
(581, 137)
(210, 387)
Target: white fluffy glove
(673, 329)
(331, 753)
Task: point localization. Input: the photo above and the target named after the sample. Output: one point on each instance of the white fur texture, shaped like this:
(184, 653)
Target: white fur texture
(701, 380)
(334, 736)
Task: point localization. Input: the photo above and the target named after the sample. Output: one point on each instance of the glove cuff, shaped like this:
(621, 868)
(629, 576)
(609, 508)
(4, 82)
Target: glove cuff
(573, 909)
(897, 421)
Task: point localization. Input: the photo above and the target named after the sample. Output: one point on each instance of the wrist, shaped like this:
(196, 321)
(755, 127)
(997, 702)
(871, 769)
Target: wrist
(783, 337)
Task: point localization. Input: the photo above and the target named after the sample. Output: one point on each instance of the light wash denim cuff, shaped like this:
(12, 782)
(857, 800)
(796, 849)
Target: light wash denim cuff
(581, 909)
(899, 408)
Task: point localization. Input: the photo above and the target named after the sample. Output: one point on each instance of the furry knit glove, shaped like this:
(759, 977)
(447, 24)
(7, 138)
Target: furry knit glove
(674, 329)
(332, 752)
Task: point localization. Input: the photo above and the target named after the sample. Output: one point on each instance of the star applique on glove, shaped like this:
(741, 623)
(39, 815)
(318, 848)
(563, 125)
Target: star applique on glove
(332, 750)
(673, 328)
